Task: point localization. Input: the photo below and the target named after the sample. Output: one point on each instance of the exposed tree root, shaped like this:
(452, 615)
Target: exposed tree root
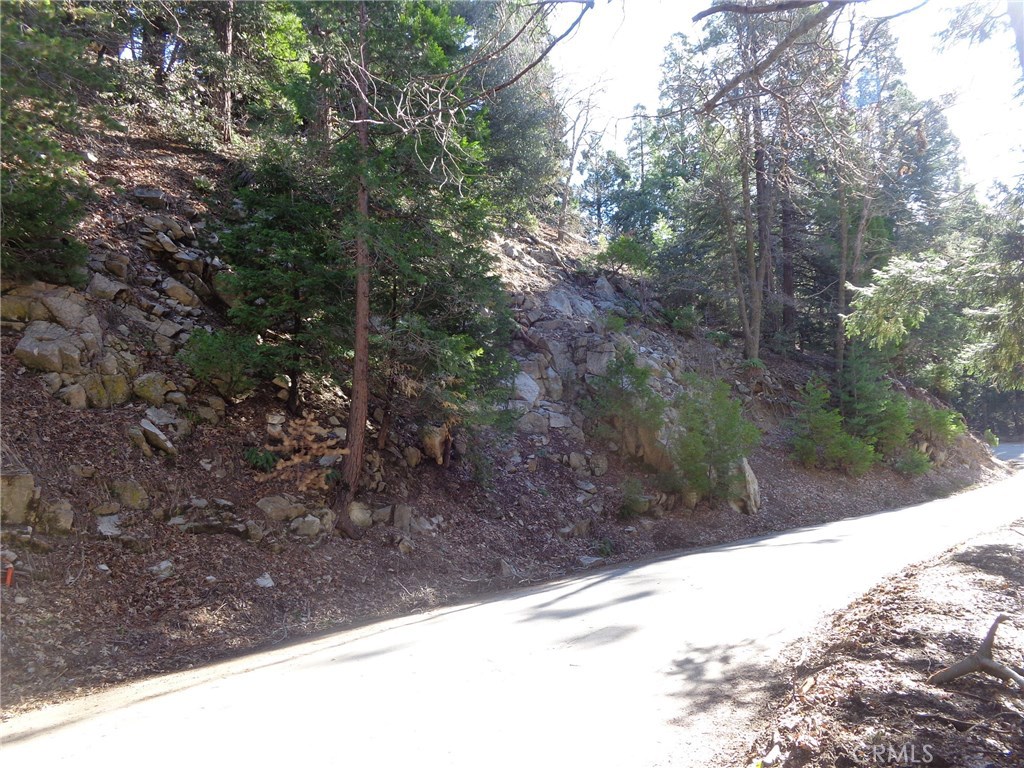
(980, 661)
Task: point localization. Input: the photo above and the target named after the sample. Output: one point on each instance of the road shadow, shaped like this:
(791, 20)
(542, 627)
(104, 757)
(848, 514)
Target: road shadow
(1001, 560)
(738, 675)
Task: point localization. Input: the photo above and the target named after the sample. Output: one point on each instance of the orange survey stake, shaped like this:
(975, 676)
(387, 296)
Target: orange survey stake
(9, 576)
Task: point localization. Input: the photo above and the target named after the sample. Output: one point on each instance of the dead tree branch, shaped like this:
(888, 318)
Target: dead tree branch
(751, 10)
(980, 661)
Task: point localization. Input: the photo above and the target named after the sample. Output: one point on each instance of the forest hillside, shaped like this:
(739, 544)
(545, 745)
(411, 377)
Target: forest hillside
(318, 313)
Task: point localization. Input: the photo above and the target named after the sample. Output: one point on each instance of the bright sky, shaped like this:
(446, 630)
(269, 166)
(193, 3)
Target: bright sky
(622, 43)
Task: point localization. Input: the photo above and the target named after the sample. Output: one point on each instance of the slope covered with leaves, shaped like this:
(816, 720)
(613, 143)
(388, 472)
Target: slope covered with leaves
(168, 561)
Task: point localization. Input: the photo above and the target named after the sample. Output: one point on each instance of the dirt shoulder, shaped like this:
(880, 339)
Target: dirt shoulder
(859, 692)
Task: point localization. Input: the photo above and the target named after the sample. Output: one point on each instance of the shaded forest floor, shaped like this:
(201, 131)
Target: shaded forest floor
(859, 694)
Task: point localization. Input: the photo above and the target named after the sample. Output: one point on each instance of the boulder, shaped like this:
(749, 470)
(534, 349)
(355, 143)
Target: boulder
(533, 423)
(161, 417)
(150, 197)
(16, 308)
(413, 456)
(402, 519)
(384, 515)
(18, 497)
(75, 396)
(308, 526)
(67, 308)
(181, 293)
(130, 493)
(604, 289)
(57, 516)
(50, 347)
(578, 462)
(435, 440)
(162, 570)
(156, 438)
(152, 387)
(526, 388)
(102, 287)
(360, 514)
(109, 525)
(138, 437)
(746, 491)
(560, 302)
(599, 358)
(264, 581)
(281, 508)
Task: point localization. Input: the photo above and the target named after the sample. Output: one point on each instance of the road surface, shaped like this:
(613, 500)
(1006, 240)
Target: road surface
(1009, 451)
(657, 664)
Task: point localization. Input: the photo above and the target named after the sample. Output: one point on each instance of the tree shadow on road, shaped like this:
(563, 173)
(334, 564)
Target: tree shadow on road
(740, 675)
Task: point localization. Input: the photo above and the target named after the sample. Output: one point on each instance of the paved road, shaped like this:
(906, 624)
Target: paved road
(1010, 451)
(657, 664)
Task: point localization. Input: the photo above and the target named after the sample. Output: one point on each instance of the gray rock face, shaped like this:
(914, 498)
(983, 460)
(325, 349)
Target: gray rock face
(102, 287)
(526, 388)
(747, 498)
(50, 347)
(156, 438)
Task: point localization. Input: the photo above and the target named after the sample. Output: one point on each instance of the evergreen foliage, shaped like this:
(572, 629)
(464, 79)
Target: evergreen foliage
(713, 436)
(44, 76)
(819, 439)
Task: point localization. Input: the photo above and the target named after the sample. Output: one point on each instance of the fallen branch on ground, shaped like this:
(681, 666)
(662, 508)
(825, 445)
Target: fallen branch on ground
(980, 661)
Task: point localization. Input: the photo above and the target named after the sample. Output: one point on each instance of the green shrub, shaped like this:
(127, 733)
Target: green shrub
(624, 396)
(624, 252)
(991, 438)
(936, 426)
(614, 323)
(260, 459)
(633, 503)
(223, 359)
(713, 436)
(913, 463)
(43, 185)
(718, 338)
(871, 410)
(819, 439)
(683, 320)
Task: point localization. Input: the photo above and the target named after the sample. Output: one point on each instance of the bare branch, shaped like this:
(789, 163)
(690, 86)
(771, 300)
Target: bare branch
(751, 10)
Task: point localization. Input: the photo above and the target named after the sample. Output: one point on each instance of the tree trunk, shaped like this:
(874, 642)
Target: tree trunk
(844, 261)
(226, 47)
(359, 405)
(755, 288)
(762, 189)
(789, 247)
